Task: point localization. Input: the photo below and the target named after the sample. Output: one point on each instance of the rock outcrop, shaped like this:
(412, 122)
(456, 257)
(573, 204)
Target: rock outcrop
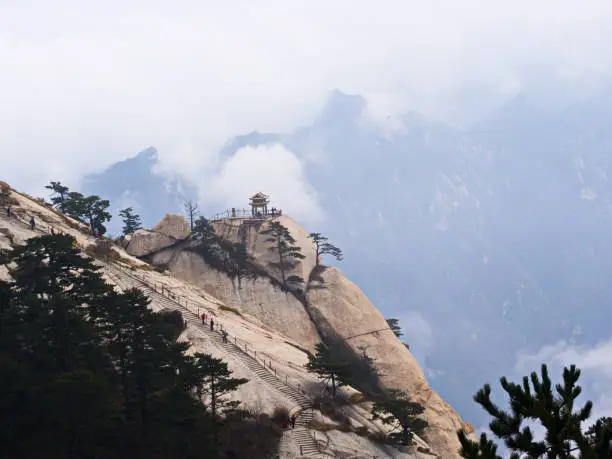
(174, 226)
(144, 242)
(274, 325)
(335, 309)
(171, 229)
(341, 311)
(249, 233)
(276, 310)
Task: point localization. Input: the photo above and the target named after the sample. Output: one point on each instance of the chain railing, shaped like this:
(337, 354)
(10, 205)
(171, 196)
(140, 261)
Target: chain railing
(219, 327)
(245, 214)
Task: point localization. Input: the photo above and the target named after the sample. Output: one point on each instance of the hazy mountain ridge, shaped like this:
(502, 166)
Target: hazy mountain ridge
(491, 230)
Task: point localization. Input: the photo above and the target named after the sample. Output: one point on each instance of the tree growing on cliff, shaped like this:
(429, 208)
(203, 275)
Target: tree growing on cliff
(93, 209)
(329, 364)
(324, 248)
(394, 326)
(131, 221)
(286, 248)
(59, 194)
(191, 208)
(395, 409)
(555, 412)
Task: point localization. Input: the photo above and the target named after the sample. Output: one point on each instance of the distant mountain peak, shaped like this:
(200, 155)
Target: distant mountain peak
(340, 105)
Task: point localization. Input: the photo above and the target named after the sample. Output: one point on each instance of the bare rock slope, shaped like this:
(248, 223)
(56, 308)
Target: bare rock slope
(269, 323)
(333, 309)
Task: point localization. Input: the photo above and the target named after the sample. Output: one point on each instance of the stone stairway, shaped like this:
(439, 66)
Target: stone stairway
(301, 434)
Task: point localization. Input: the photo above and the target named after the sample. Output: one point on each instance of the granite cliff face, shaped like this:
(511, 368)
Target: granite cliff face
(331, 309)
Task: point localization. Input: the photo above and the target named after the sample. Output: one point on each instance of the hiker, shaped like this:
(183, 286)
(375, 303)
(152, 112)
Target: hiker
(224, 334)
(8, 212)
(212, 324)
(203, 318)
(233, 211)
(32, 223)
(293, 418)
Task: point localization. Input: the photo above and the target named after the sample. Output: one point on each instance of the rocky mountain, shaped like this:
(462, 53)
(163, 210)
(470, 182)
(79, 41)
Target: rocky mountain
(136, 183)
(474, 238)
(269, 328)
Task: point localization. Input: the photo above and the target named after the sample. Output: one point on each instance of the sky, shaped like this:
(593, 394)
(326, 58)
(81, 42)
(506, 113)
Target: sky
(85, 84)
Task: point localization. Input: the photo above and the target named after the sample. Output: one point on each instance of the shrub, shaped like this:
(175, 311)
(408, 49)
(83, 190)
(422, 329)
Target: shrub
(5, 196)
(280, 414)
(362, 431)
(329, 408)
(102, 249)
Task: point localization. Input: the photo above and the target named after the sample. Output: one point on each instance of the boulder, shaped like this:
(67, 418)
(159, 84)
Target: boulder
(144, 242)
(341, 310)
(174, 226)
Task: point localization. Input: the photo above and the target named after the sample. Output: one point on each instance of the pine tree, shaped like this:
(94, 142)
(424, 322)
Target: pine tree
(59, 194)
(325, 248)
(216, 384)
(286, 248)
(329, 364)
(94, 211)
(191, 209)
(394, 408)
(90, 372)
(218, 252)
(394, 326)
(555, 412)
(131, 221)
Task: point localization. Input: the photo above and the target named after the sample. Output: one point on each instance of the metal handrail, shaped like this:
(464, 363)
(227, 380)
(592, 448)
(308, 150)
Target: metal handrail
(245, 214)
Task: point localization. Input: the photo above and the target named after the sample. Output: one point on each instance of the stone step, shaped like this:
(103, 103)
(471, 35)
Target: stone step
(300, 434)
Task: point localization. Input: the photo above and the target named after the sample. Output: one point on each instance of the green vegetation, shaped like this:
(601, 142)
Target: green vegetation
(394, 408)
(90, 372)
(91, 210)
(287, 250)
(131, 221)
(556, 412)
(325, 248)
(394, 326)
(219, 253)
(329, 364)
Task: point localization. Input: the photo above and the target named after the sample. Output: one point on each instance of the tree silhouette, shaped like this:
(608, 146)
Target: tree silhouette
(556, 413)
(59, 194)
(286, 248)
(191, 209)
(394, 326)
(131, 221)
(394, 408)
(330, 364)
(325, 248)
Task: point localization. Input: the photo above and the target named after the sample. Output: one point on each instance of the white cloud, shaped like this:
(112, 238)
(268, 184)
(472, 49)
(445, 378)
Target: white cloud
(272, 169)
(87, 83)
